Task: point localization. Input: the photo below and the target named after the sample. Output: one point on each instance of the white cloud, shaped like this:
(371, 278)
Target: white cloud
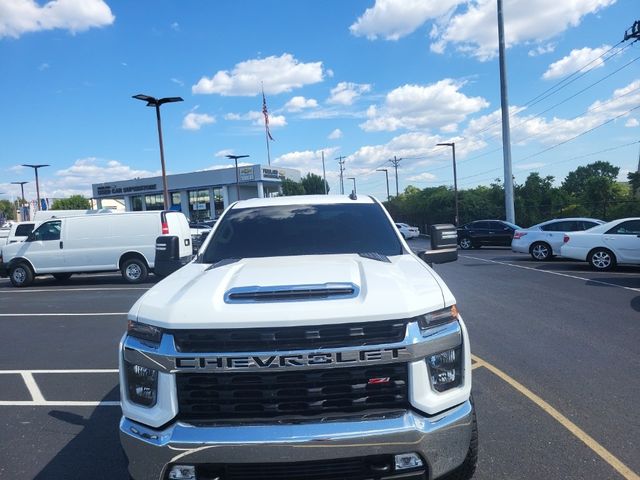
(393, 19)
(632, 122)
(336, 134)
(195, 121)
(279, 74)
(438, 105)
(16, 168)
(24, 16)
(257, 118)
(43, 66)
(224, 152)
(299, 103)
(542, 49)
(422, 177)
(345, 93)
(228, 165)
(474, 30)
(177, 81)
(175, 26)
(576, 59)
(309, 160)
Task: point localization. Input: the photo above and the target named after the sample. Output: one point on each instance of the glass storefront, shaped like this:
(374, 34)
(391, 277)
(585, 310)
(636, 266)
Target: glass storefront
(199, 205)
(218, 201)
(137, 203)
(154, 202)
(176, 201)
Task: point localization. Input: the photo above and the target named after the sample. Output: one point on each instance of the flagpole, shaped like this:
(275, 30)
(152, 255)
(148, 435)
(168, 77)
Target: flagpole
(266, 123)
(266, 135)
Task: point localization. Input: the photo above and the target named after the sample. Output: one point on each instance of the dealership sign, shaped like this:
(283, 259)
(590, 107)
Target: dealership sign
(103, 190)
(273, 173)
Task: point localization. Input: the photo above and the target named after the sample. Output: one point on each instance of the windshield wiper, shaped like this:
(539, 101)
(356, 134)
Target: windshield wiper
(375, 256)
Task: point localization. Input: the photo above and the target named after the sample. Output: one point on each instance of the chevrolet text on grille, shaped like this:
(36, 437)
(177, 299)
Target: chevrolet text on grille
(295, 360)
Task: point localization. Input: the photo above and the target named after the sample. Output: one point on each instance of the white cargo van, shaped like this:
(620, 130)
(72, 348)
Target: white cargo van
(94, 243)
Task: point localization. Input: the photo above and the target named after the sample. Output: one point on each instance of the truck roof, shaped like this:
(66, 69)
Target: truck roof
(302, 200)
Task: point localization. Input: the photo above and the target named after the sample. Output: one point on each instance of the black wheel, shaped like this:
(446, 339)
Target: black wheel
(21, 275)
(61, 277)
(601, 259)
(466, 243)
(540, 251)
(468, 467)
(134, 270)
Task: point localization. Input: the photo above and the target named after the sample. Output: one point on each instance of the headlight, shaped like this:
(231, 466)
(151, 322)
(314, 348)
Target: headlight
(144, 331)
(445, 369)
(439, 317)
(142, 384)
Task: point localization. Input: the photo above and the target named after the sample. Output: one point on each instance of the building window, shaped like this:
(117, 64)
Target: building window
(154, 202)
(176, 199)
(199, 205)
(136, 203)
(218, 201)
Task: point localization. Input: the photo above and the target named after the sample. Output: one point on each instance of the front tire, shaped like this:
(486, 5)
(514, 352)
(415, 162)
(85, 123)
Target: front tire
(602, 259)
(134, 270)
(540, 251)
(468, 467)
(21, 275)
(466, 243)
(61, 277)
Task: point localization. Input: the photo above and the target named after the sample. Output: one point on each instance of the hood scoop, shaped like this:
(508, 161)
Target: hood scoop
(291, 293)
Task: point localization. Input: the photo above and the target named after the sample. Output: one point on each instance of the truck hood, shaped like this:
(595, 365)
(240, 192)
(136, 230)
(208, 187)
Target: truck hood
(194, 296)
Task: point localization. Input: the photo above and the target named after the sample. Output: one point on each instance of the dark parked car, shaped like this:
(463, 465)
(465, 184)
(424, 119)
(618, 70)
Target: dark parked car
(486, 232)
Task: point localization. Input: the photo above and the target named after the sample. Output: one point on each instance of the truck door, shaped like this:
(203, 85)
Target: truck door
(624, 241)
(44, 247)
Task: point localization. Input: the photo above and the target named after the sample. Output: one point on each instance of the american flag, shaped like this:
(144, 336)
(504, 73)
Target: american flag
(265, 112)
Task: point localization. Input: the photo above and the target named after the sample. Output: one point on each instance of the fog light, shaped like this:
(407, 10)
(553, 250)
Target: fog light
(445, 369)
(182, 472)
(405, 461)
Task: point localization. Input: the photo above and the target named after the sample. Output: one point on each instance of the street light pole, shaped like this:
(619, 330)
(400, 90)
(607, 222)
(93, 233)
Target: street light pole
(354, 184)
(157, 102)
(235, 159)
(21, 199)
(455, 176)
(324, 175)
(386, 174)
(36, 167)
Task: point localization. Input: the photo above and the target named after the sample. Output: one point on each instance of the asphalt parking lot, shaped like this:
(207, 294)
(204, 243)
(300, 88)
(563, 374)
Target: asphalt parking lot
(556, 367)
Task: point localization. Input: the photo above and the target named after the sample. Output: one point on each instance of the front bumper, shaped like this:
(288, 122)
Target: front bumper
(442, 440)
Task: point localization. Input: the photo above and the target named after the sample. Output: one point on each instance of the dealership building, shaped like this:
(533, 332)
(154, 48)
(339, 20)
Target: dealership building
(199, 195)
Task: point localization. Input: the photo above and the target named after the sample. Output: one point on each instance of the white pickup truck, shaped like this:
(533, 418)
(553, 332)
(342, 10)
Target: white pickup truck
(306, 341)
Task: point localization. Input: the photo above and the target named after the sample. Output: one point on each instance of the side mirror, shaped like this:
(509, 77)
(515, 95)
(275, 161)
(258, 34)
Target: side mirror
(444, 245)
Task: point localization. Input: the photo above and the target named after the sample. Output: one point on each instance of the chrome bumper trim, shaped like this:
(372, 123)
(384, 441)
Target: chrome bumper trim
(443, 440)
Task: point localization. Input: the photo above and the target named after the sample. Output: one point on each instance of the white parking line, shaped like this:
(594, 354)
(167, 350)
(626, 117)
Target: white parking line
(553, 273)
(77, 370)
(107, 314)
(34, 391)
(87, 289)
(56, 403)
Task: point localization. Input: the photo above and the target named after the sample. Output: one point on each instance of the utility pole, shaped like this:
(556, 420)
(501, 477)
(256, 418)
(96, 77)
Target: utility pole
(341, 162)
(506, 131)
(324, 175)
(22, 209)
(633, 32)
(455, 176)
(395, 163)
(386, 174)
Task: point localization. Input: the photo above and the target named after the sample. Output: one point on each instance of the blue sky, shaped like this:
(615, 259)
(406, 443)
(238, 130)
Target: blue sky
(367, 79)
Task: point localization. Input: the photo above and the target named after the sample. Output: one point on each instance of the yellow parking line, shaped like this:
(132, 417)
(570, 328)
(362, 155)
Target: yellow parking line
(602, 452)
(476, 365)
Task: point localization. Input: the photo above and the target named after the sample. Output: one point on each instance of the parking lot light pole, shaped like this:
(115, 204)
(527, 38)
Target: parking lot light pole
(157, 102)
(354, 184)
(21, 199)
(36, 167)
(235, 159)
(455, 175)
(386, 174)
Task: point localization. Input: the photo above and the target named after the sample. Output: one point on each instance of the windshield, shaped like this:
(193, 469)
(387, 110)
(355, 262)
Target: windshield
(286, 230)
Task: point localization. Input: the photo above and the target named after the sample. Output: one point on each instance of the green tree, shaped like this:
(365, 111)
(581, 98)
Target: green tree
(289, 187)
(314, 184)
(634, 182)
(7, 210)
(576, 181)
(74, 202)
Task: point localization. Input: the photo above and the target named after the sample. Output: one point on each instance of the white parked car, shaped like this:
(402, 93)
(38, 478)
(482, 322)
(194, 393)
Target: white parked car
(606, 245)
(19, 231)
(94, 243)
(543, 241)
(408, 231)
